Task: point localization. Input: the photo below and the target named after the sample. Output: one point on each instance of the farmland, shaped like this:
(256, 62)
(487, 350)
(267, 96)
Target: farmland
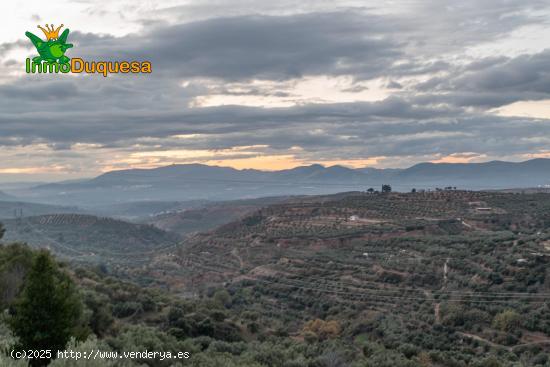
(427, 267)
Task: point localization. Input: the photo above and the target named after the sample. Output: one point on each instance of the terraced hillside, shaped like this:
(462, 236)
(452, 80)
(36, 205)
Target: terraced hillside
(434, 269)
(360, 224)
(11, 209)
(89, 238)
(208, 216)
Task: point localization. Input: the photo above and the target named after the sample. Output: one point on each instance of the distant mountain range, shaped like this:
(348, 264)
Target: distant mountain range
(6, 197)
(201, 182)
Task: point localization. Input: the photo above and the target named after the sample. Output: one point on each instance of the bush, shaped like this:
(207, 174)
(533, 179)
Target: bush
(323, 329)
(127, 309)
(507, 321)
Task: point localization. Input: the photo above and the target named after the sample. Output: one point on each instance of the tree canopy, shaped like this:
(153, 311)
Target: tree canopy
(47, 312)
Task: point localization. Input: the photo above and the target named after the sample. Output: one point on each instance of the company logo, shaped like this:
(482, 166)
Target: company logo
(52, 59)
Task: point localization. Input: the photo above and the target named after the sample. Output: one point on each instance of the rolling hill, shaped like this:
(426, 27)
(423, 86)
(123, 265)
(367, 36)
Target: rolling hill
(142, 211)
(209, 216)
(89, 238)
(348, 225)
(445, 278)
(431, 269)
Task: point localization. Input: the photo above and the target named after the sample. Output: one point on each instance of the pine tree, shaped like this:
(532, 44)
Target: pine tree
(46, 313)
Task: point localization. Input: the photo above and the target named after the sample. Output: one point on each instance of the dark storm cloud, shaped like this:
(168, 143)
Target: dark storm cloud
(526, 73)
(351, 42)
(258, 46)
(492, 82)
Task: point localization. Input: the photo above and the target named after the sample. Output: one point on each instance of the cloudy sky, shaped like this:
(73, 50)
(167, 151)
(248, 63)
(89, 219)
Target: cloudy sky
(271, 85)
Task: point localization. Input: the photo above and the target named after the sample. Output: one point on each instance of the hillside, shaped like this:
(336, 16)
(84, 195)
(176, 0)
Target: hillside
(208, 216)
(200, 182)
(139, 211)
(89, 238)
(445, 263)
(345, 221)
(447, 278)
(12, 209)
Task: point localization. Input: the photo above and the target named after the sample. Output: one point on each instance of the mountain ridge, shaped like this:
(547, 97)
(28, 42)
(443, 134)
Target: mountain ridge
(203, 182)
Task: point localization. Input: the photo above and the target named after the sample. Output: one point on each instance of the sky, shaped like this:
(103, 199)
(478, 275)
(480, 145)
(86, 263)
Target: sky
(275, 85)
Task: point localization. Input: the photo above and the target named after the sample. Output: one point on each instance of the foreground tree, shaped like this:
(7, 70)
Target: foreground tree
(48, 310)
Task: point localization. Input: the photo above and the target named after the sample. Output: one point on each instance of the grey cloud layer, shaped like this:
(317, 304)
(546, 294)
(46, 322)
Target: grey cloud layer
(433, 116)
(259, 46)
(493, 82)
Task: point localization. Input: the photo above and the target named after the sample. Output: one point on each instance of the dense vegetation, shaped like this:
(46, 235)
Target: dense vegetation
(88, 238)
(423, 279)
